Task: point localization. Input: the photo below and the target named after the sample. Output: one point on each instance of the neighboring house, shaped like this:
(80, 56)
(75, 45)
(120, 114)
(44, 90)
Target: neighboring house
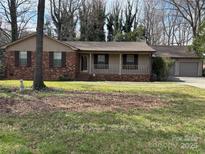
(186, 62)
(128, 61)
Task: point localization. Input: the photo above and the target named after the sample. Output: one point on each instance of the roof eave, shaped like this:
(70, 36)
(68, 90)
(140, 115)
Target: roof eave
(178, 57)
(85, 50)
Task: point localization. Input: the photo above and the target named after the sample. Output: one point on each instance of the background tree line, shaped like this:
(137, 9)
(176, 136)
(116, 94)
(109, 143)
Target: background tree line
(159, 22)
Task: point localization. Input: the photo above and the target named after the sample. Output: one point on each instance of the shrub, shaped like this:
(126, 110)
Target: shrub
(2, 71)
(203, 72)
(64, 77)
(161, 68)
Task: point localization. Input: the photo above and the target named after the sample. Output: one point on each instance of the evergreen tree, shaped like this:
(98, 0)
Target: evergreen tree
(84, 14)
(137, 34)
(114, 22)
(199, 41)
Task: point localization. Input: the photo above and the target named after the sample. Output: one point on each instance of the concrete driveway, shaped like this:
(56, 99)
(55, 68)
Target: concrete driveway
(192, 81)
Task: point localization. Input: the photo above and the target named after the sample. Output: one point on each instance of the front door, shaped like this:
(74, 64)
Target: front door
(84, 63)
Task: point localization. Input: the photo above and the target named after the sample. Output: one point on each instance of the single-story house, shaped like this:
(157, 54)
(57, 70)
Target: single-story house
(114, 61)
(186, 62)
(128, 61)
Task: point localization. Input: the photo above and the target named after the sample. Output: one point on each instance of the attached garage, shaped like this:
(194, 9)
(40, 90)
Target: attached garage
(188, 69)
(187, 63)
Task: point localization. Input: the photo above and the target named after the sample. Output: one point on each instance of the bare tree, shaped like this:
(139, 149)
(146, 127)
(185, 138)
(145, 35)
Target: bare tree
(70, 19)
(64, 14)
(84, 14)
(92, 20)
(193, 11)
(56, 14)
(152, 22)
(182, 32)
(4, 37)
(130, 13)
(48, 29)
(118, 19)
(165, 25)
(38, 83)
(17, 13)
(169, 21)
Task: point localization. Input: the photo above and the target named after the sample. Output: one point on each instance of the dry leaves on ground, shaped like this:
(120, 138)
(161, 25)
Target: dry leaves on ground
(79, 101)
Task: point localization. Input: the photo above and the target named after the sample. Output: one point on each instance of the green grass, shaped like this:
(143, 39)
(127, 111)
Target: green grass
(176, 128)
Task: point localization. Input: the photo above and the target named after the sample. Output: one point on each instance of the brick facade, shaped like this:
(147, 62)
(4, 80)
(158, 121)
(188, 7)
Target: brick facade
(124, 77)
(71, 71)
(26, 73)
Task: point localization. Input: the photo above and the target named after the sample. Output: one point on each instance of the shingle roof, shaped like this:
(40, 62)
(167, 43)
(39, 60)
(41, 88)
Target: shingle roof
(112, 46)
(174, 52)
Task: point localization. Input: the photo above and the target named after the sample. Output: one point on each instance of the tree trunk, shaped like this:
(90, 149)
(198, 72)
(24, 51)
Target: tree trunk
(13, 15)
(59, 31)
(38, 83)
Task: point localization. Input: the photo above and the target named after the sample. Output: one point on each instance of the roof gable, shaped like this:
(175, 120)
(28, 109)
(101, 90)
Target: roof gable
(28, 43)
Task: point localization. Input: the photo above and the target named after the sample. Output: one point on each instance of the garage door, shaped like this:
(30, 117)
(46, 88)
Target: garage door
(188, 69)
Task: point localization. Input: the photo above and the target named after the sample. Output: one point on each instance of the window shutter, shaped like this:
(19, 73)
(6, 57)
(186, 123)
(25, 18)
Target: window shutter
(16, 58)
(63, 59)
(95, 59)
(106, 59)
(136, 60)
(50, 59)
(124, 59)
(28, 58)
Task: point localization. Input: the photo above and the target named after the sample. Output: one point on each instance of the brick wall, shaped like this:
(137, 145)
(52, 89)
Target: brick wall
(71, 70)
(26, 73)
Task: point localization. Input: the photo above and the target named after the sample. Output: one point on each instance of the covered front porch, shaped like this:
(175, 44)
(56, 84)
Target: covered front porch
(115, 63)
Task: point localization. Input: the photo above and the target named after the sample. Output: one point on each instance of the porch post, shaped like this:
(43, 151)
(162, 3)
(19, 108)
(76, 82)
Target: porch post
(120, 64)
(90, 65)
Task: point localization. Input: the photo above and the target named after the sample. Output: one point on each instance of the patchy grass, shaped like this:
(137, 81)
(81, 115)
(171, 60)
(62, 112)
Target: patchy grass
(174, 128)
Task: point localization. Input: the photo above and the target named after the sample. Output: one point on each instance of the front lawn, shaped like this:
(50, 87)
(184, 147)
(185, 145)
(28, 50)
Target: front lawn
(102, 117)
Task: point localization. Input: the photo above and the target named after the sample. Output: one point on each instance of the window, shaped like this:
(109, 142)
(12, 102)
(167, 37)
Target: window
(101, 61)
(57, 59)
(130, 61)
(23, 58)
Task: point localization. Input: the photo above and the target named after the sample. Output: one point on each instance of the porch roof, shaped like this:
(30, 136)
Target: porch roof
(111, 46)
